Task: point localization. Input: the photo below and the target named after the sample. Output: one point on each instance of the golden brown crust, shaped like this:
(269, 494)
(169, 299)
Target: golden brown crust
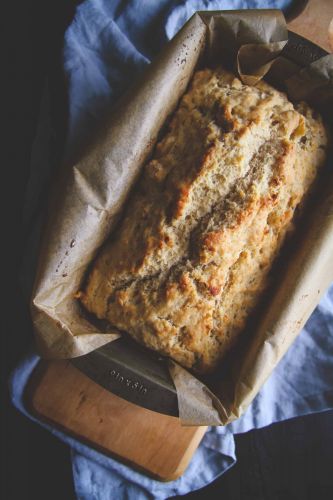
(190, 258)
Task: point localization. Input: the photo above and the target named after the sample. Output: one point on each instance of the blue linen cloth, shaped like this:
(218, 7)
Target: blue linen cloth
(106, 47)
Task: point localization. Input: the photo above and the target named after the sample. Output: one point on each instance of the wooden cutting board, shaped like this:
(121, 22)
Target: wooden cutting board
(156, 444)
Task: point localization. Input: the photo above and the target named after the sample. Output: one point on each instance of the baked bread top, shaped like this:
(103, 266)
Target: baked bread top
(190, 257)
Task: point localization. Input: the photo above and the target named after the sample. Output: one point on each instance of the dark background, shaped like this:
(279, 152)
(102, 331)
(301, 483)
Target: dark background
(293, 459)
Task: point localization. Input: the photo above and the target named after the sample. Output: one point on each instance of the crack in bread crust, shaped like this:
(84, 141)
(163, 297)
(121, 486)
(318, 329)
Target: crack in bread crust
(191, 256)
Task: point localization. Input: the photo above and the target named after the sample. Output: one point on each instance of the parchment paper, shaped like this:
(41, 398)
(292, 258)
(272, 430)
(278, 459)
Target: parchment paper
(90, 194)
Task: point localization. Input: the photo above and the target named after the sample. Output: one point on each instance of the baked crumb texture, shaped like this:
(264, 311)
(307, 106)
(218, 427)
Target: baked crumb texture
(207, 218)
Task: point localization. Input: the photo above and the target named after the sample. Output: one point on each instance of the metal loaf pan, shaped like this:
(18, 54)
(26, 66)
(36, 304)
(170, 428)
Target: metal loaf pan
(137, 374)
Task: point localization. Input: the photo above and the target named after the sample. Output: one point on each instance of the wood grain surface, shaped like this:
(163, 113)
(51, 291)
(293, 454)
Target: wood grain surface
(155, 443)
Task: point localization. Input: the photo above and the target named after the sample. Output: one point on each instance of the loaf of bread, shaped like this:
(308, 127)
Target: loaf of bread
(190, 258)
